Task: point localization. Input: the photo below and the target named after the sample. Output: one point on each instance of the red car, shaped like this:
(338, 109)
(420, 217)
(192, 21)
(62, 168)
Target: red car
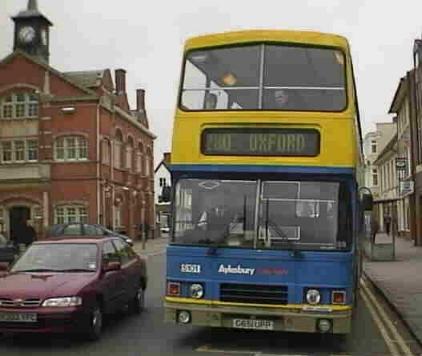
(69, 284)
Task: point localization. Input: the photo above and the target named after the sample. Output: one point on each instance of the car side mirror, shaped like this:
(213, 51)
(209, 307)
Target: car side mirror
(130, 242)
(111, 266)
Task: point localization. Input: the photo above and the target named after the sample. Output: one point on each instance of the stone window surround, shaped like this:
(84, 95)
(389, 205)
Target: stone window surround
(30, 104)
(71, 134)
(66, 206)
(13, 151)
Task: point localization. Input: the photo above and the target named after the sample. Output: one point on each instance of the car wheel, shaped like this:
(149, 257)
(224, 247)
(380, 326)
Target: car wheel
(95, 323)
(138, 301)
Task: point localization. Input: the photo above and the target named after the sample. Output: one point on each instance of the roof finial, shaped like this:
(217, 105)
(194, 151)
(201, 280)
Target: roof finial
(32, 5)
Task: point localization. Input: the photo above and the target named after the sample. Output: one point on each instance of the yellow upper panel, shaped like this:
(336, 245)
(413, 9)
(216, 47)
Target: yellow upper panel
(339, 145)
(304, 37)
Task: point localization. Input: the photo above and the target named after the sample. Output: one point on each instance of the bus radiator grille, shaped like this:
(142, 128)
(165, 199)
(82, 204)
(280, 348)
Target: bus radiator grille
(253, 293)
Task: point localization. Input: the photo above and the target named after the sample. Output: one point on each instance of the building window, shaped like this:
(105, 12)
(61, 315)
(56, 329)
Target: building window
(162, 182)
(6, 148)
(118, 150)
(71, 148)
(106, 154)
(374, 176)
(129, 154)
(32, 149)
(118, 216)
(138, 162)
(373, 146)
(19, 105)
(148, 162)
(70, 214)
(18, 151)
(140, 159)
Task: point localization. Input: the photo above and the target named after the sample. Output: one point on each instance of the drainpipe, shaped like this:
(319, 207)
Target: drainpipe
(99, 207)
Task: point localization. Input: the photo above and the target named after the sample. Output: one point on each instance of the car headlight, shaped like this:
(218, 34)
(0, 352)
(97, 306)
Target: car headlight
(62, 302)
(196, 291)
(313, 296)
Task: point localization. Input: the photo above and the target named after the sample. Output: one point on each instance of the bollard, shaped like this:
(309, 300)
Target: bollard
(143, 239)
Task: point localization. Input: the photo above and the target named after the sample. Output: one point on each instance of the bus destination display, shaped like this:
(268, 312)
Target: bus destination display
(260, 142)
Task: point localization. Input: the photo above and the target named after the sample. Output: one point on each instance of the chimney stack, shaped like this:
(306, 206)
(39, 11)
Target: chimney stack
(167, 157)
(140, 100)
(120, 75)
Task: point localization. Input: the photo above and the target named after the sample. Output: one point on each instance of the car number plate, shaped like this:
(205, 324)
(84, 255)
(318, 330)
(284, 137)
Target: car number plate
(253, 324)
(18, 317)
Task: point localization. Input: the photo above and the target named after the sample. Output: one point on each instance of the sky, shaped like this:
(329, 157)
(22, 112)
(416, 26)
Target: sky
(146, 38)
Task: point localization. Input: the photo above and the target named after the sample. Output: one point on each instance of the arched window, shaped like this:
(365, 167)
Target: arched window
(19, 106)
(105, 151)
(65, 214)
(118, 149)
(148, 162)
(71, 148)
(129, 154)
(139, 154)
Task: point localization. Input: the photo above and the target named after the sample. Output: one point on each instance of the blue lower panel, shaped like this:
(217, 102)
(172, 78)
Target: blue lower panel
(272, 273)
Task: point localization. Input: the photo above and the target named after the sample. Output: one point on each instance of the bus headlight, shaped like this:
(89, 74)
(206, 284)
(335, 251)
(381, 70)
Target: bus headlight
(196, 291)
(313, 296)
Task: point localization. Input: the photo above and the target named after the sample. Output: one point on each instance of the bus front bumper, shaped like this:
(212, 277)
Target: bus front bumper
(261, 318)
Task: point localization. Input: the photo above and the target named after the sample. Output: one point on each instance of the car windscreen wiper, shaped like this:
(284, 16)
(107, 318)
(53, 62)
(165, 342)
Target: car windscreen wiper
(76, 270)
(37, 270)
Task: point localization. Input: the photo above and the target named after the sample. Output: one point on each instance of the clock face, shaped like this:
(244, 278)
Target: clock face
(27, 34)
(44, 37)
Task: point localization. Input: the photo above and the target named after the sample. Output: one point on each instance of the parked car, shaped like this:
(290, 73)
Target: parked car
(165, 229)
(7, 250)
(69, 284)
(82, 229)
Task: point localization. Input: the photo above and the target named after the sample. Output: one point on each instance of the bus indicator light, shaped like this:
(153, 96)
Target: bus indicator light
(173, 289)
(338, 297)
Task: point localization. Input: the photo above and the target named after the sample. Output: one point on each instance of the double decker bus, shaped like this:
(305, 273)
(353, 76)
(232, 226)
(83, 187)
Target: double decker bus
(266, 209)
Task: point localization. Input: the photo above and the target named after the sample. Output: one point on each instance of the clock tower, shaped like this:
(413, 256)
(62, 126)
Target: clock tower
(32, 32)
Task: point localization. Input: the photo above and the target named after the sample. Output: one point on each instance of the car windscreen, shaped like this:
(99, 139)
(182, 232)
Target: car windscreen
(58, 257)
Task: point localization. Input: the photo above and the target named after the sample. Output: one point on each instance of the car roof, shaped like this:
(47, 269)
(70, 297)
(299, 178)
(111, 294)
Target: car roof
(76, 239)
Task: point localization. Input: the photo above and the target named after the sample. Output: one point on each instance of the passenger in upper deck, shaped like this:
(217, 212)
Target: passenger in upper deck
(281, 98)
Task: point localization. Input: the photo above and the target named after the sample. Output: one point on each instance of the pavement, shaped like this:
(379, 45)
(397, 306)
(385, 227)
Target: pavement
(400, 281)
(153, 247)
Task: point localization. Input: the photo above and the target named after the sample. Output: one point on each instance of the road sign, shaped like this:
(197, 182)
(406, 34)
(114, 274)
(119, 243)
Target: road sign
(406, 187)
(401, 163)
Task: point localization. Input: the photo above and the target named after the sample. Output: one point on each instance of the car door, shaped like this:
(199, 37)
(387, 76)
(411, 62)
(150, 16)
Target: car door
(130, 268)
(112, 281)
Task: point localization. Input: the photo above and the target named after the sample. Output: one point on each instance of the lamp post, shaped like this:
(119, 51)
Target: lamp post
(143, 223)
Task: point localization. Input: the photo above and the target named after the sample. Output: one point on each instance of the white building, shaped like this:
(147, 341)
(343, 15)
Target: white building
(162, 185)
(401, 107)
(388, 183)
(373, 143)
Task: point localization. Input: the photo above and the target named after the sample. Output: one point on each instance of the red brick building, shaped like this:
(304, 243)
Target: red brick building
(71, 149)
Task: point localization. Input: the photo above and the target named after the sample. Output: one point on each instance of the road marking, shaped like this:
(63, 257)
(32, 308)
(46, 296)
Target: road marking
(210, 349)
(381, 319)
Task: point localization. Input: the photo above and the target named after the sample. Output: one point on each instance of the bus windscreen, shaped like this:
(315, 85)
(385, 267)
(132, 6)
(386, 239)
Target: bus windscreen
(264, 77)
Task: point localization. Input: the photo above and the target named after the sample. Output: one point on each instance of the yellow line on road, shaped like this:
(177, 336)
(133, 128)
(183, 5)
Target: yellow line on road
(377, 320)
(385, 320)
